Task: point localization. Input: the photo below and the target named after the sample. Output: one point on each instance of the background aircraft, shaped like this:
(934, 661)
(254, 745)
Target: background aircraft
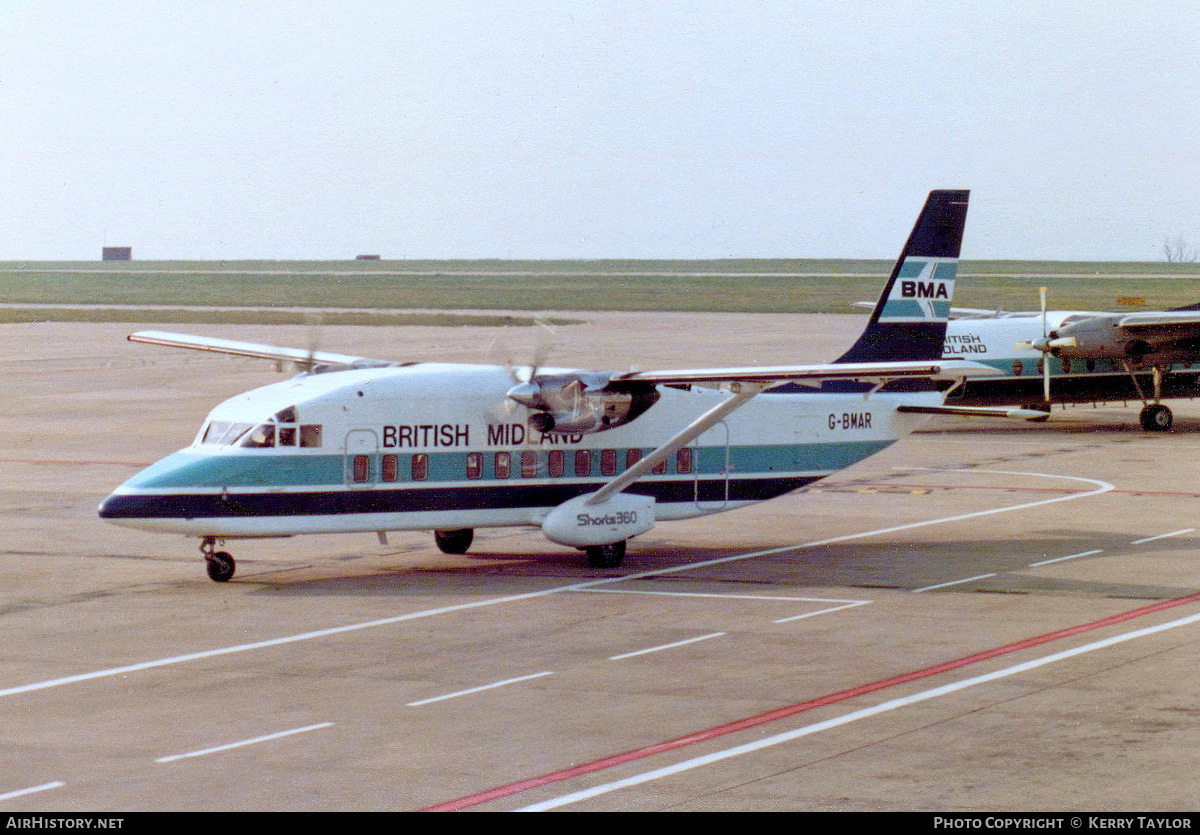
(1079, 357)
(593, 458)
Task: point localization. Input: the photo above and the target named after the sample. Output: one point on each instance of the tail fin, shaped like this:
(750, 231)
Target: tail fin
(909, 320)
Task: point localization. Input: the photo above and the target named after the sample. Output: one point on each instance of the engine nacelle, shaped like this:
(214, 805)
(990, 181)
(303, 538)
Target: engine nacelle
(574, 522)
(574, 404)
(1096, 337)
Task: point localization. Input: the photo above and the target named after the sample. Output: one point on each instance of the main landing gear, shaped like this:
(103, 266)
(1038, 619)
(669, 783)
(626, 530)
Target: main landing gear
(219, 563)
(1155, 417)
(454, 542)
(606, 556)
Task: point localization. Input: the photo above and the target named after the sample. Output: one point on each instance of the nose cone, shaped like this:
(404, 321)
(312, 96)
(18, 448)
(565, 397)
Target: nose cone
(527, 394)
(155, 493)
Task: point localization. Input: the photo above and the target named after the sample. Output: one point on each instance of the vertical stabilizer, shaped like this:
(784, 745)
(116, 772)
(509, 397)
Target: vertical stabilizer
(909, 321)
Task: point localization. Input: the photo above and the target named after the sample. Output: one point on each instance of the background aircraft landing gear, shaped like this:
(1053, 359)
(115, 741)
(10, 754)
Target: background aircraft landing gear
(1156, 418)
(220, 564)
(454, 542)
(606, 556)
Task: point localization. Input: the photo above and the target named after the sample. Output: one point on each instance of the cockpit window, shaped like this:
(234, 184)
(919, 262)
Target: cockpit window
(224, 432)
(272, 433)
(261, 436)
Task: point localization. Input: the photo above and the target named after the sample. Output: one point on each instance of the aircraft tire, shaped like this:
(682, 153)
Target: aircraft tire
(606, 556)
(454, 542)
(220, 566)
(1157, 418)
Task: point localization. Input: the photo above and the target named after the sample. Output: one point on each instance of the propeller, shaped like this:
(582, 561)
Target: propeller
(522, 375)
(1047, 345)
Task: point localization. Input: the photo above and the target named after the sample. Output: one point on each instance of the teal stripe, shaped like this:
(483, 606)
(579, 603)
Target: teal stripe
(190, 470)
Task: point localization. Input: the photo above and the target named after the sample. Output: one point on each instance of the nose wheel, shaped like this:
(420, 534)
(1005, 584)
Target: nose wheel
(220, 564)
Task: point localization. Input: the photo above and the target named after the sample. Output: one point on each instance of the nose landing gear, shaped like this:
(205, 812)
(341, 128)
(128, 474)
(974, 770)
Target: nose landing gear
(220, 564)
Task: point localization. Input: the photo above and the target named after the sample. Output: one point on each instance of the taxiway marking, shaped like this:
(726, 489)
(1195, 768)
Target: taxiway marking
(1162, 536)
(1102, 487)
(1067, 557)
(32, 790)
(478, 689)
(243, 743)
(843, 604)
(953, 582)
(661, 647)
(832, 698)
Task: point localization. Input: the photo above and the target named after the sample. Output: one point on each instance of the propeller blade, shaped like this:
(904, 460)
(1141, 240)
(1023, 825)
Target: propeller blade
(1042, 293)
(1046, 377)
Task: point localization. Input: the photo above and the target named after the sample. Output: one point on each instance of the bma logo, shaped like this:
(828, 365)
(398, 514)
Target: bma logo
(924, 290)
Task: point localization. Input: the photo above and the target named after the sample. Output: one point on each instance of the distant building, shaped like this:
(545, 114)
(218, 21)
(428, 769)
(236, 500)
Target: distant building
(366, 257)
(116, 253)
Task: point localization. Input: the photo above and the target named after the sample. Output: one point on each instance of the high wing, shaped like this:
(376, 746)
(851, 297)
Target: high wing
(813, 374)
(298, 356)
(746, 383)
(1165, 320)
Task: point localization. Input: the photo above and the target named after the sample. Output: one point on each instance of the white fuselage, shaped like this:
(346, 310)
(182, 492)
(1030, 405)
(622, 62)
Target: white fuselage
(1003, 344)
(438, 446)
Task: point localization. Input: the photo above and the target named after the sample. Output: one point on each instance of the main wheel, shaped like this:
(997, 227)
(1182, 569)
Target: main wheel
(220, 566)
(1157, 418)
(454, 542)
(606, 556)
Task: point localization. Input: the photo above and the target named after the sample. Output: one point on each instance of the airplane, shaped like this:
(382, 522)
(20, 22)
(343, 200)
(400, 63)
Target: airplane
(593, 458)
(1079, 357)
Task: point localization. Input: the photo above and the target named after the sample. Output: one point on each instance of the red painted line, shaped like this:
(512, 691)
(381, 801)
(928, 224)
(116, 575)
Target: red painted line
(801, 707)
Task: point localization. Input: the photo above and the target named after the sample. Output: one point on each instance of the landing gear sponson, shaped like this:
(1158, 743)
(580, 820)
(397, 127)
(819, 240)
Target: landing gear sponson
(598, 556)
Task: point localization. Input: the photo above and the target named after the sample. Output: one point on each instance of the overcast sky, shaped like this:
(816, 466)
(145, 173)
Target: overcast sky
(206, 130)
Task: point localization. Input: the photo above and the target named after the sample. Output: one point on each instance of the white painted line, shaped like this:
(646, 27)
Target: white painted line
(849, 605)
(664, 646)
(32, 790)
(724, 596)
(846, 604)
(953, 583)
(1162, 536)
(244, 743)
(807, 730)
(1068, 557)
(479, 689)
(110, 672)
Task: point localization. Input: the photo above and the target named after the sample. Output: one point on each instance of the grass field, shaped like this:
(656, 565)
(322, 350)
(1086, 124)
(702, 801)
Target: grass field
(775, 286)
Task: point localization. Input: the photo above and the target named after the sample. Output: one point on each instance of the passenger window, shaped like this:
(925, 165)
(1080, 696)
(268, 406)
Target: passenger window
(362, 469)
(503, 464)
(474, 464)
(310, 435)
(632, 456)
(683, 460)
(389, 469)
(608, 462)
(557, 463)
(660, 467)
(420, 467)
(583, 462)
(529, 461)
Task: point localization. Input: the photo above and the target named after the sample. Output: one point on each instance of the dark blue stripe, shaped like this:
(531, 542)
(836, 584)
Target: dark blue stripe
(414, 500)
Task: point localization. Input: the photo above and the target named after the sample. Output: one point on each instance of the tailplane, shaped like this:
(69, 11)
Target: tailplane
(909, 320)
